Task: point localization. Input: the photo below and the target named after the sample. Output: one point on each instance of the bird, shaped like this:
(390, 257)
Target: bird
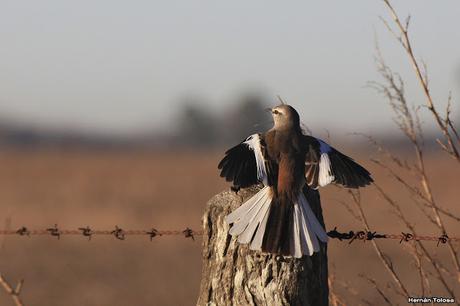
(278, 219)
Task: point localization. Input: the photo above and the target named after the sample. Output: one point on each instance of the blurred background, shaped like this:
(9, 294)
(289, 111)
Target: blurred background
(115, 112)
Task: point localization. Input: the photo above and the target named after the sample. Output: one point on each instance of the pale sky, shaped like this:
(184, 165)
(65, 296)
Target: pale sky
(125, 66)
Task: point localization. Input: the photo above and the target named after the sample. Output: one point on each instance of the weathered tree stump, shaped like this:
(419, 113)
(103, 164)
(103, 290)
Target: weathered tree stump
(235, 275)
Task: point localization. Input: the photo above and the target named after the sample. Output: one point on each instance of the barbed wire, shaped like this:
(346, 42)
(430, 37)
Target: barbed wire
(88, 232)
(403, 237)
(121, 234)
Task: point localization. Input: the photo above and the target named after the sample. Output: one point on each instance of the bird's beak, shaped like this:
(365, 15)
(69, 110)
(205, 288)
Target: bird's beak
(269, 110)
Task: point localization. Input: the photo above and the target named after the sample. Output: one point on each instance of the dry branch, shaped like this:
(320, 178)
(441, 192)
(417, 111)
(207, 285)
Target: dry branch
(383, 258)
(445, 124)
(13, 292)
(409, 123)
(426, 255)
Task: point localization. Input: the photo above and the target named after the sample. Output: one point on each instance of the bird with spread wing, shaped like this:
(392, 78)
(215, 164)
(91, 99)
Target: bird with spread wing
(278, 219)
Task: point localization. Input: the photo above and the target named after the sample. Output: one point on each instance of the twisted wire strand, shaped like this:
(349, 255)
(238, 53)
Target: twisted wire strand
(121, 234)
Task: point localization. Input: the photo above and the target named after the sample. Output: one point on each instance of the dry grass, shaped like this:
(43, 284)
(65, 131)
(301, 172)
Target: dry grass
(165, 190)
(138, 190)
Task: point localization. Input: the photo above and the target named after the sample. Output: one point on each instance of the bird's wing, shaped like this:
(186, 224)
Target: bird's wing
(325, 165)
(246, 164)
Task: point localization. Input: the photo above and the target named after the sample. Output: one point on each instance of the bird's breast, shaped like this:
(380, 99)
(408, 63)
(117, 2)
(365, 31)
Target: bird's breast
(291, 178)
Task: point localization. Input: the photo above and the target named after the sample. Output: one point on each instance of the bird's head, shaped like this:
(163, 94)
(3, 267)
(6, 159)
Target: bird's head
(285, 117)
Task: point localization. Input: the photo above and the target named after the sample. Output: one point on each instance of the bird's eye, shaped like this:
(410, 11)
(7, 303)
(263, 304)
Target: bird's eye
(276, 112)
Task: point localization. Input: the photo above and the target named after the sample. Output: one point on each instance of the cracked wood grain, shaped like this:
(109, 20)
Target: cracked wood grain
(234, 275)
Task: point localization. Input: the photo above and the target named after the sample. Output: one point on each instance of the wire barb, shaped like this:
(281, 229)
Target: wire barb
(341, 236)
(406, 237)
(86, 231)
(153, 233)
(374, 235)
(121, 234)
(188, 233)
(54, 231)
(443, 239)
(361, 235)
(352, 236)
(118, 233)
(23, 231)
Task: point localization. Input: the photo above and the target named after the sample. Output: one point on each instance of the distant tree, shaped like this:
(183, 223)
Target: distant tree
(198, 127)
(249, 116)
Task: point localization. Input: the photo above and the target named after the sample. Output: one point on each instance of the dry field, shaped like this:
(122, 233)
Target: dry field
(166, 190)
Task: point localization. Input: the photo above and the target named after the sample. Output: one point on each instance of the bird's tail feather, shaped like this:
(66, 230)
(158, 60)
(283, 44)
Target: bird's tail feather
(307, 228)
(276, 225)
(249, 219)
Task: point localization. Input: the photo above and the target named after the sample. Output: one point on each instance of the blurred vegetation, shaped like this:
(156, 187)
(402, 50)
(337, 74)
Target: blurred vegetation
(201, 128)
(196, 127)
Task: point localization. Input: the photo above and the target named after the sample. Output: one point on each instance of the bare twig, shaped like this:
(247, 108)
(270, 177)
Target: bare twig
(386, 152)
(335, 300)
(383, 258)
(409, 124)
(14, 293)
(405, 41)
(377, 288)
(410, 226)
(416, 192)
(425, 285)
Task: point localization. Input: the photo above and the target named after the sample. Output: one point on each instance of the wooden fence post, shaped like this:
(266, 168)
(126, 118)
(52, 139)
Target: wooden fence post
(234, 275)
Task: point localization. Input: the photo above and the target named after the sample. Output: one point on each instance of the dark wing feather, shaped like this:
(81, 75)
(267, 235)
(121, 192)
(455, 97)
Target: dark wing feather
(240, 164)
(324, 164)
(347, 172)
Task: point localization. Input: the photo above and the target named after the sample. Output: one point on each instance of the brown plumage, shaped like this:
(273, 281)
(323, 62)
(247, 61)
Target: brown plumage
(284, 147)
(278, 219)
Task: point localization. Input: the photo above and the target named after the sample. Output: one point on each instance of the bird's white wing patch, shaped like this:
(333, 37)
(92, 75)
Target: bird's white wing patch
(253, 143)
(325, 171)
